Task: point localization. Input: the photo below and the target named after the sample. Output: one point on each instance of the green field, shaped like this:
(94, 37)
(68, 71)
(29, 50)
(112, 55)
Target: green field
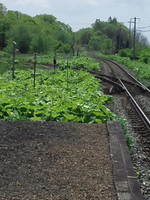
(60, 96)
(26, 62)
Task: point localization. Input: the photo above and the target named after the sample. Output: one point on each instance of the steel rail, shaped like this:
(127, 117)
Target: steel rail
(133, 101)
(138, 82)
(111, 77)
(109, 80)
(137, 107)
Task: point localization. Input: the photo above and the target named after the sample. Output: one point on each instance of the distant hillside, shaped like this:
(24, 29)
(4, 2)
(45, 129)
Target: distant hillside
(44, 33)
(108, 37)
(41, 33)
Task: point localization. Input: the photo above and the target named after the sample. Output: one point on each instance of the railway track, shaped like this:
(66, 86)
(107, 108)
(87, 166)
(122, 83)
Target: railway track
(132, 87)
(125, 83)
(118, 82)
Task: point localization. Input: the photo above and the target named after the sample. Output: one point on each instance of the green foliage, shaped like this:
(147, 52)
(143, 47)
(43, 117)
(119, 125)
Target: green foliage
(3, 67)
(82, 62)
(52, 99)
(106, 37)
(26, 61)
(21, 35)
(123, 123)
(140, 69)
(3, 54)
(41, 33)
(125, 53)
(4, 26)
(5, 61)
(39, 43)
(3, 9)
(84, 36)
(100, 43)
(143, 55)
(130, 142)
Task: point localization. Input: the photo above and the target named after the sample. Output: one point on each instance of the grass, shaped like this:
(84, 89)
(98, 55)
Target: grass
(140, 69)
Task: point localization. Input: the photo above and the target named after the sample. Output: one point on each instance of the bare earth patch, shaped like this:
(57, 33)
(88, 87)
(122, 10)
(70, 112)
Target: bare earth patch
(55, 161)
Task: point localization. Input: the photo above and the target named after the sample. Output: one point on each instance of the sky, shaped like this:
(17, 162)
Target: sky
(82, 13)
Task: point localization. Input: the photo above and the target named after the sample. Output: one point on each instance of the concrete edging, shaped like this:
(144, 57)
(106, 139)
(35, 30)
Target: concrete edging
(125, 179)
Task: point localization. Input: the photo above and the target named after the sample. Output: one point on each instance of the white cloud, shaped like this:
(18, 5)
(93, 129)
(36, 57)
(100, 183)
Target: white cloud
(91, 2)
(33, 3)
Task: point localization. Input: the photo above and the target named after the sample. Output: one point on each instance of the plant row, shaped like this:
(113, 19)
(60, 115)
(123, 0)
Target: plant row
(60, 96)
(26, 61)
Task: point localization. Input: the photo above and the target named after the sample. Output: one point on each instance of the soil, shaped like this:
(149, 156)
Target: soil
(55, 161)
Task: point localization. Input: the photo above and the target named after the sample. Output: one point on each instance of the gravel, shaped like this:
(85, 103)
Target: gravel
(145, 101)
(139, 159)
(55, 161)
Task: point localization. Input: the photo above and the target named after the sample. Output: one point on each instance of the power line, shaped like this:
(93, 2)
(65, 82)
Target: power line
(144, 27)
(143, 31)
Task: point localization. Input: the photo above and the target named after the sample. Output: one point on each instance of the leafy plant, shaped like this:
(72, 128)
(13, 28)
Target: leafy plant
(82, 62)
(140, 69)
(52, 99)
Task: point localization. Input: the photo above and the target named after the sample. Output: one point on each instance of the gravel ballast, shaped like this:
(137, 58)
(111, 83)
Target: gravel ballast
(120, 106)
(139, 159)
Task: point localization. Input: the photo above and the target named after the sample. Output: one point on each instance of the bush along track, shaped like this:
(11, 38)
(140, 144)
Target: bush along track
(82, 62)
(141, 70)
(60, 96)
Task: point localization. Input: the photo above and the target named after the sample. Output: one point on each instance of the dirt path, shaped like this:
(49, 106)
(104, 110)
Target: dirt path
(55, 161)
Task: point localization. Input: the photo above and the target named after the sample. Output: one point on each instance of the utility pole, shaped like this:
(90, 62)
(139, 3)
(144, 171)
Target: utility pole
(134, 38)
(130, 35)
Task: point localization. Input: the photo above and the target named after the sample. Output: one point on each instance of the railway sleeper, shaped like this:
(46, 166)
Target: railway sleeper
(146, 150)
(139, 131)
(140, 125)
(146, 134)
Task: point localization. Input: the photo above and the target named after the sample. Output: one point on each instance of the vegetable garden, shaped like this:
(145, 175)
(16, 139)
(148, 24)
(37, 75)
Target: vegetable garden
(60, 95)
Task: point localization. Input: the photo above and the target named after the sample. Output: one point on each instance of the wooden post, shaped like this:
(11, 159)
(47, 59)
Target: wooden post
(54, 62)
(34, 73)
(13, 60)
(67, 73)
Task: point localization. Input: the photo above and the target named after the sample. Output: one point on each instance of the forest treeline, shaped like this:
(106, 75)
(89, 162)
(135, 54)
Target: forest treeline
(44, 33)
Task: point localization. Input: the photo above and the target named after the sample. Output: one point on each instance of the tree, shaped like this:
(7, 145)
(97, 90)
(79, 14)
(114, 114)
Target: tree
(84, 36)
(49, 19)
(3, 10)
(110, 20)
(40, 43)
(4, 26)
(21, 34)
(44, 33)
(100, 43)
